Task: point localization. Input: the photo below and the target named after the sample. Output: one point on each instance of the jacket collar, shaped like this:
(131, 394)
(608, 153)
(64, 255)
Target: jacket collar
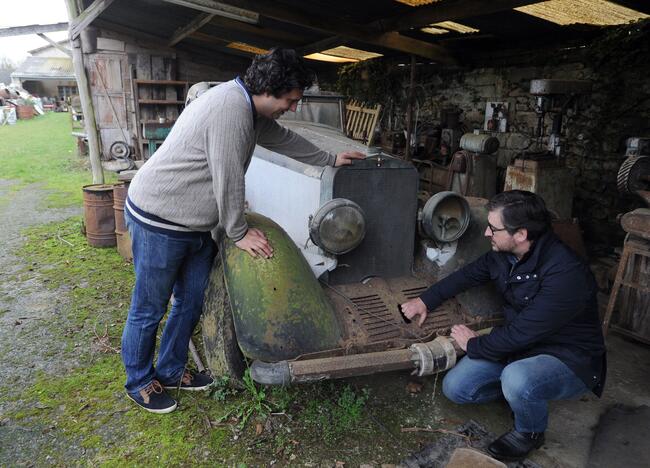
(530, 260)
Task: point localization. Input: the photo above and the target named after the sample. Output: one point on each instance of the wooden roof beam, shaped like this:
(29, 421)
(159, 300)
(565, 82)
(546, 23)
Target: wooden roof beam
(446, 11)
(254, 31)
(89, 15)
(55, 44)
(197, 23)
(33, 29)
(321, 45)
(359, 32)
(219, 9)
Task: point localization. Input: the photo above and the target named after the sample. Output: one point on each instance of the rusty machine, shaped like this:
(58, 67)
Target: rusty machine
(630, 294)
(544, 171)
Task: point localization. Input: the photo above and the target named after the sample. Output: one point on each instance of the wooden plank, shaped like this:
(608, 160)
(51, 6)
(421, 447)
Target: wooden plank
(197, 23)
(106, 118)
(55, 44)
(220, 9)
(143, 71)
(32, 29)
(319, 46)
(89, 15)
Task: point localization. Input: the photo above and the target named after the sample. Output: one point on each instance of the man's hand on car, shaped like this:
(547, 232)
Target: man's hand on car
(462, 335)
(415, 307)
(347, 157)
(255, 243)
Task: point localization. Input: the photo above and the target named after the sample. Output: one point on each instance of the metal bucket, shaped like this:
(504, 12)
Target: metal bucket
(121, 233)
(99, 216)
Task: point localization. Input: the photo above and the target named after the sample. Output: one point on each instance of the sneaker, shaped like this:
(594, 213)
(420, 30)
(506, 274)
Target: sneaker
(154, 399)
(192, 382)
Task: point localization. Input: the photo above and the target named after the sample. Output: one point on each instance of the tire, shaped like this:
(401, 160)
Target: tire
(222, 352)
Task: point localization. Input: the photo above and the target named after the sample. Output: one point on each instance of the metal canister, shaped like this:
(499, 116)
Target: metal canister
(482, 143)
(99, 216)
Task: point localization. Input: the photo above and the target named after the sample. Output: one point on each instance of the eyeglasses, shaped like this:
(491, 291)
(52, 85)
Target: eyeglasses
(495, 229)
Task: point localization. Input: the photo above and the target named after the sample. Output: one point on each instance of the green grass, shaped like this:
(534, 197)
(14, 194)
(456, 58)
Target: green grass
(42, 150)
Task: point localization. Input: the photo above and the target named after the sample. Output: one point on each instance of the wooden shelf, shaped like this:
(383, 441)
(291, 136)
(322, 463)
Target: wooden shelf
(169, 95)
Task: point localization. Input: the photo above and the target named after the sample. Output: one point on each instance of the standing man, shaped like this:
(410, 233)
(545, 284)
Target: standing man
(550, 347)
(194, 182)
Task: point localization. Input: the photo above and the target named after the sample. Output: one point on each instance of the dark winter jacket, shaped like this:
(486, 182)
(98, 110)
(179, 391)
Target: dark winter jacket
(550, 308)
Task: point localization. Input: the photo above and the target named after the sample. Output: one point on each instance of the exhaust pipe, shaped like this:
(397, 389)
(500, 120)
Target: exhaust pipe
(423, 358)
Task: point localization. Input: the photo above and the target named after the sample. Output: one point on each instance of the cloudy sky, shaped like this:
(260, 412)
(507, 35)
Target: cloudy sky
(24, 13)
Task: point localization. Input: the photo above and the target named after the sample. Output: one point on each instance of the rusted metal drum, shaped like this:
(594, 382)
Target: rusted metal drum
(99, 216)
(119, 197)
(121, 233)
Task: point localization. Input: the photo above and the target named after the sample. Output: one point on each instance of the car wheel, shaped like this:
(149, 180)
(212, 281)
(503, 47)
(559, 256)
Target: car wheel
(222, 352)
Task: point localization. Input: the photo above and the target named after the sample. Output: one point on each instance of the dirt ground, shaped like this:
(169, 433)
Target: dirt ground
(29, 314)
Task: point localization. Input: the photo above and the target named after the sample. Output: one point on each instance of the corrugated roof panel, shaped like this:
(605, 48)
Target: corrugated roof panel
(45, 68)
(330, 58)
(596, 12)
(350, 53)
(446, 26)
(416, 3)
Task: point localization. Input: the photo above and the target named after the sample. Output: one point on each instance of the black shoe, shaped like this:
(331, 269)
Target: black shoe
(514, 446)
(191, 381)
(154, 399)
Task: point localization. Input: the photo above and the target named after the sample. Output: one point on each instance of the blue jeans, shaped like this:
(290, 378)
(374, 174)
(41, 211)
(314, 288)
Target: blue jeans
(527, 385)
(163, 264)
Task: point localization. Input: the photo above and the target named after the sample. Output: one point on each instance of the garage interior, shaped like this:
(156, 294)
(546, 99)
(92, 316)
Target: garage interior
(480, 96)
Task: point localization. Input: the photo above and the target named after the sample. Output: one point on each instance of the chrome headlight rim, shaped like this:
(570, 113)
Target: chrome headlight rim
(321, 216)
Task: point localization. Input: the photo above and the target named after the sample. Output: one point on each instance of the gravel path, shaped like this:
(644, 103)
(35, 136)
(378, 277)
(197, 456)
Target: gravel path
(26, 346)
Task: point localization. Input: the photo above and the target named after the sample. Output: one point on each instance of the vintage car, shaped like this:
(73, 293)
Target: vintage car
(350, 245)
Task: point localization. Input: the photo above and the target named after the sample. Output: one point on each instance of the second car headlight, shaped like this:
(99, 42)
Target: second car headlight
(338, 226)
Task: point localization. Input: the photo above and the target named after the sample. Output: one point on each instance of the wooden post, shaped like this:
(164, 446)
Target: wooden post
(409, 111)
(86, 100)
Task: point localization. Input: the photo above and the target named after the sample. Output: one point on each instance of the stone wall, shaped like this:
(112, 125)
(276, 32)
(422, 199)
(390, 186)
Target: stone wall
(616, 63)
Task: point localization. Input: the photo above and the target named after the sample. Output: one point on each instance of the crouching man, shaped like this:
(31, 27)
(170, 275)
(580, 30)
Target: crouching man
(550, 346)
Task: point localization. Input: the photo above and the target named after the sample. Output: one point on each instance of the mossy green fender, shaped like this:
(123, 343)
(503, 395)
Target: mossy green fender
(280, 310)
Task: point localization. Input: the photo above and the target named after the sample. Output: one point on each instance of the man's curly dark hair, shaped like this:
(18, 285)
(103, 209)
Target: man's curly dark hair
(278, 72)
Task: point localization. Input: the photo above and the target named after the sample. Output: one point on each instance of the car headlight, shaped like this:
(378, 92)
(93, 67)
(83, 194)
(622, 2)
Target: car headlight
(338, 226)
(445, 216)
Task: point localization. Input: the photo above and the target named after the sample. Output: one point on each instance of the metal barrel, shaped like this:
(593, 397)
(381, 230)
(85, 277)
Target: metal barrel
(121, 232)
(99, 216)
(119, 197)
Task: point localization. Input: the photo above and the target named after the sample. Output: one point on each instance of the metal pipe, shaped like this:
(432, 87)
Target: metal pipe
(424, 358)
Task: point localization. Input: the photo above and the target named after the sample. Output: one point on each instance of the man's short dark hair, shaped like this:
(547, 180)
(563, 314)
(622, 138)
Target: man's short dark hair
(522, 209)
(278, 72)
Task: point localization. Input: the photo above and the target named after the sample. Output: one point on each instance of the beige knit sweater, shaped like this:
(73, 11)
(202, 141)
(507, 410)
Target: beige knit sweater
(196, 177)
